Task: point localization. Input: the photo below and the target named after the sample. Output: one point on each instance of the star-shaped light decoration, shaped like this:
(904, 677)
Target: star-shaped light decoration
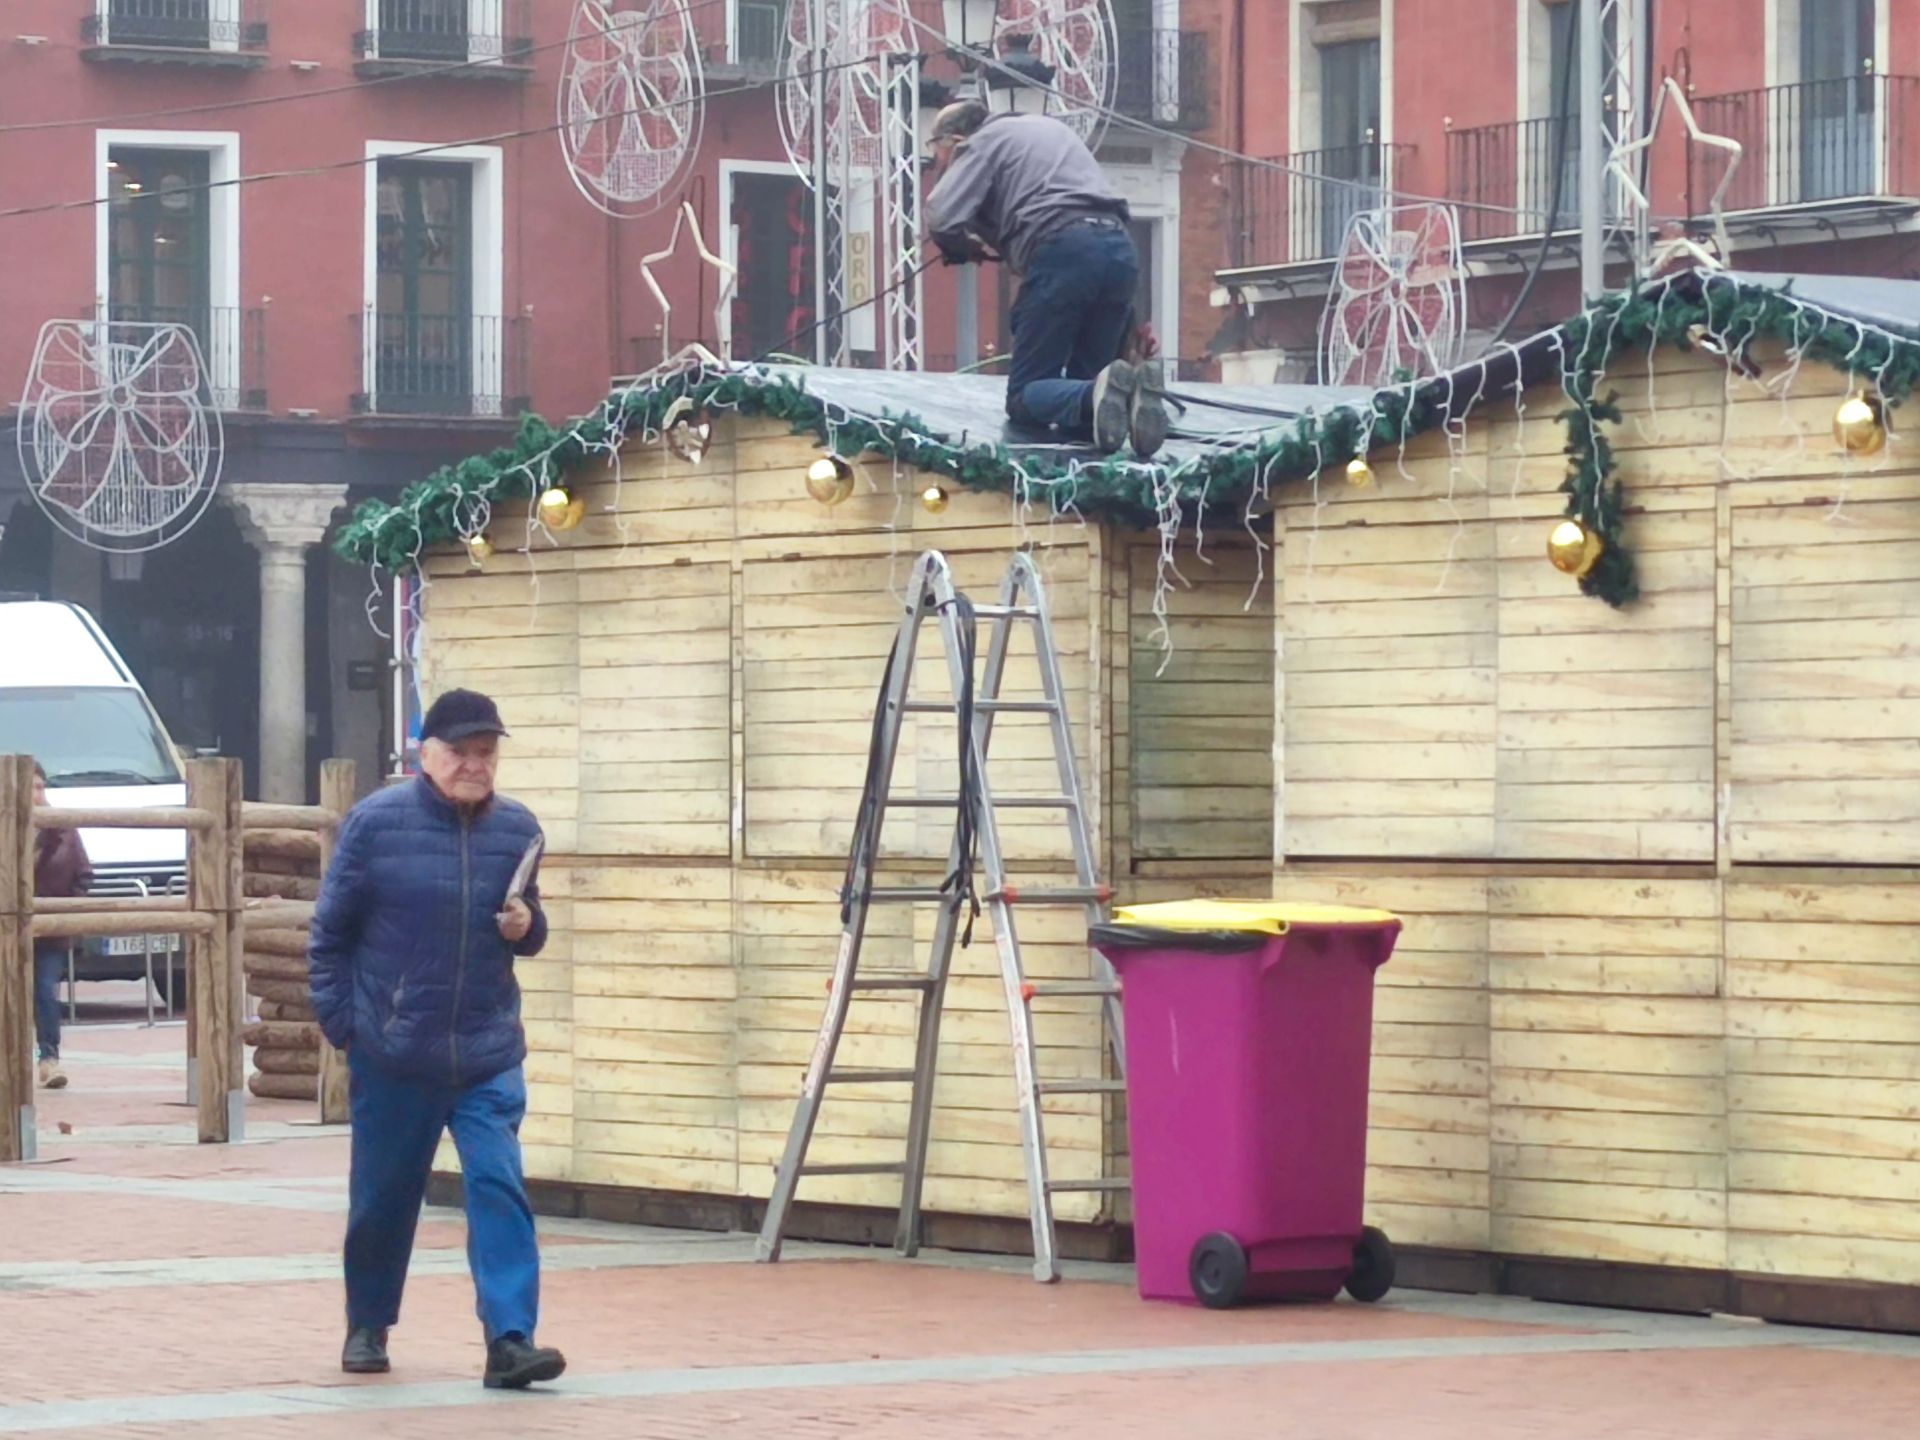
(1619, 163)
(687, 220)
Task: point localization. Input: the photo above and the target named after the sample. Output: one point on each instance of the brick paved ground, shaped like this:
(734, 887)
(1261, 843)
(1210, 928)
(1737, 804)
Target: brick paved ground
(150, 1287)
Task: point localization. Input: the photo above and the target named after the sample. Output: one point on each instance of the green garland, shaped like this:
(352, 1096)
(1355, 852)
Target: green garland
(1217, 487)
(1677, 312)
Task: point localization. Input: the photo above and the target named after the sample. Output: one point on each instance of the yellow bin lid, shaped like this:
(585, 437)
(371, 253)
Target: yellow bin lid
(1266, 917)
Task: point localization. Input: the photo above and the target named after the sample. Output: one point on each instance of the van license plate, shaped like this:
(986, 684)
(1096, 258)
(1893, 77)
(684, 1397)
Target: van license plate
(139, 944)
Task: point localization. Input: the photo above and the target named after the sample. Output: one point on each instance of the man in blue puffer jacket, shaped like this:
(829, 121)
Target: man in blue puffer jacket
(411, 958)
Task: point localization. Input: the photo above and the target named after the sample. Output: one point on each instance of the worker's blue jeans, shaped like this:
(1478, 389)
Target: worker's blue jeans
(1069, 322)
(397, 1124)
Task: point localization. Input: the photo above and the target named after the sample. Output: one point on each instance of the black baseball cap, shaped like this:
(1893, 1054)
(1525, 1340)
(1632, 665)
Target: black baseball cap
(459, 715)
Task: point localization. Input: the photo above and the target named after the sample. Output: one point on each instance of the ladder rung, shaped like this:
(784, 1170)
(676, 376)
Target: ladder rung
(1053, 894)
(1040, 988)
(946, 707)
(1081, 1087)
(892, 982)
(1006, 612)
(862, 1075)
(1000, 802)
(1110, 1182)
(895, 1167)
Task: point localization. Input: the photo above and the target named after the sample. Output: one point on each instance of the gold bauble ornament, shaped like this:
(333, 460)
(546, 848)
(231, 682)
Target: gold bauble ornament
(561, 511)
(830, 479)
(479, 549)
(1359, 472)
(688, 433)
(1574, 549)
(1859, 426)
(934, 499)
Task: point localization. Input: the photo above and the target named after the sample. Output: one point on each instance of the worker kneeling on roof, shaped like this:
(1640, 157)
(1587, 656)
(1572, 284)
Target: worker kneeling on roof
(1026, 187)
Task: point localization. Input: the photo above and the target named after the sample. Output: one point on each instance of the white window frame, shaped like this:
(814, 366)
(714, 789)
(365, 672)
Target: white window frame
(729, 232)
(219, 12)
(733, 29)
(484, 17)
(223, 234)
(488, 241)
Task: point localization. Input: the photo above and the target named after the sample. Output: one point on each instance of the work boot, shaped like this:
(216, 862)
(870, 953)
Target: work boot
(366, 1351)
(1147, 425)
(1113, 392)
(52, 1077)
(513, 1363)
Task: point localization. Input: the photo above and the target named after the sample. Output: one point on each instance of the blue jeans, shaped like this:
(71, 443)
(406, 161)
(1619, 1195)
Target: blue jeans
(1069, 322)
(397, 1124)
(49, 969)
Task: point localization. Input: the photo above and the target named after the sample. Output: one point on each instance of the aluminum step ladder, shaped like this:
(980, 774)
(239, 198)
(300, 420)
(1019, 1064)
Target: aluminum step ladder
(932, 595)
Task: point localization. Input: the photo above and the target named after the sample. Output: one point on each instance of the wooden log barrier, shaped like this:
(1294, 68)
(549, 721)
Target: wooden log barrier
(285, 849)
(336, 796)
(214, 865)
(16, 958)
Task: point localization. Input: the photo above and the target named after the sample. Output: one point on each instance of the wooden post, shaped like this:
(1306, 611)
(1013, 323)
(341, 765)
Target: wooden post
(17, 1141)
(214, 887)
(337, 789)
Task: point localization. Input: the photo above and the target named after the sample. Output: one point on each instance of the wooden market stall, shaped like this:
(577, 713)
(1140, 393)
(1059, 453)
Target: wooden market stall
(1652, 1033)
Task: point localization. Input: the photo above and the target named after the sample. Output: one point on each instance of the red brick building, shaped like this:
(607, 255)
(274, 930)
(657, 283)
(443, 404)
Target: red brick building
(367, 314)
(1455, 99)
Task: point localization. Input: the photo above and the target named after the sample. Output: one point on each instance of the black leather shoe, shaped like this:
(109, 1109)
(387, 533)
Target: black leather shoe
(513, 1364)
(366, 1352)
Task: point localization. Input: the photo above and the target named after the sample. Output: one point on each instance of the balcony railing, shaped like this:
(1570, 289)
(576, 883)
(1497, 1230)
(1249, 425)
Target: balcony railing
(1164, 77)
(229, 31)
(445, 365)
(233, 346)
(1501, 177)
(482, 35)
(1816, 142)
(1299, 213)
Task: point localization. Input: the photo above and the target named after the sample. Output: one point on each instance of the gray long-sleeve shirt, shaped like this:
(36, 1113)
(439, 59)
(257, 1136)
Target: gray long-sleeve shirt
(1017, 180)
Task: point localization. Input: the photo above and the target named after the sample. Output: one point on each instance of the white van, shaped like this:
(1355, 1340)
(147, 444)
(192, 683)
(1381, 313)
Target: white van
(68, 700)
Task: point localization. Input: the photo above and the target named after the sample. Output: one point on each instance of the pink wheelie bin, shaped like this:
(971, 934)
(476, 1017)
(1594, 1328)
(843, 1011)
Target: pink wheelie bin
(1249, 1028)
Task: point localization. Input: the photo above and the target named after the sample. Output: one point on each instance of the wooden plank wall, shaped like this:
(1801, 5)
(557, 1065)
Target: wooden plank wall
(690, 677)
(1657, 1001)
(1616, 1027)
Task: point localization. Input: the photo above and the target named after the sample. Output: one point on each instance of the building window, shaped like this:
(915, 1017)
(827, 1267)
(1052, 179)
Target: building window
(1349, 132)
(423, 300)
(759, 27)
(168, 239)
(1837, 88)
(159, 258)
(770, 217)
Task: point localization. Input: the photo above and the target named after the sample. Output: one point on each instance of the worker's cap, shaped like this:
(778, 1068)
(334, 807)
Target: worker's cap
(459, 715)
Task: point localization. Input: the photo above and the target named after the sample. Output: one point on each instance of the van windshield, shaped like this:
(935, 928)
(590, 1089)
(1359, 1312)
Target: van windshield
(84, 736)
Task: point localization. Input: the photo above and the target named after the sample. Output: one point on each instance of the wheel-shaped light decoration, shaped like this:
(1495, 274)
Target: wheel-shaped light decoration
(119, 437)
(633, 98)
(1398, 302)
(1077, 40)
(860, 35)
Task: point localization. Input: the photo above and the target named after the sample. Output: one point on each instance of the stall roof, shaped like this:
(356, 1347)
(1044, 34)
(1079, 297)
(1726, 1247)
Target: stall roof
(1230, 443)
(970, 411)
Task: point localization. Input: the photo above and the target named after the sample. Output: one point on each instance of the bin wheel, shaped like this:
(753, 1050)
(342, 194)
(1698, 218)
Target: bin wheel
(1218, 1271)
(1372, 1274)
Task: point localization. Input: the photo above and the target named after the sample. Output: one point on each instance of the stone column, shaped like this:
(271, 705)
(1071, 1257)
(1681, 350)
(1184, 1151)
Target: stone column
(281, 522)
